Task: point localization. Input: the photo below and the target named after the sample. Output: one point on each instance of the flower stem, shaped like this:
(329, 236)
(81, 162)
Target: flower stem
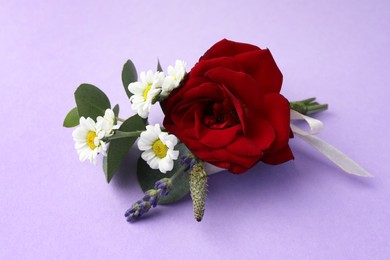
(121, 134)
(120, 119)
(316, 108)
(308, 100)
(179, 172)
(308, 106)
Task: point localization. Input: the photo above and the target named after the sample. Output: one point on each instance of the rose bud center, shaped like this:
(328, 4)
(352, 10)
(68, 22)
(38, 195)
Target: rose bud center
(220, 116)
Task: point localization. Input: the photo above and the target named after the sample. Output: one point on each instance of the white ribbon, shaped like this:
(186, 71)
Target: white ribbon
(337, 157)
(211, 169)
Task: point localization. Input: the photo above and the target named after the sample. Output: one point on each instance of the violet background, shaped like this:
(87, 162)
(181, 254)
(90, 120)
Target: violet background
(54, 207)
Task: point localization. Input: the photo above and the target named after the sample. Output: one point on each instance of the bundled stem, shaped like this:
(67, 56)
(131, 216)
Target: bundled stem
(308, 106)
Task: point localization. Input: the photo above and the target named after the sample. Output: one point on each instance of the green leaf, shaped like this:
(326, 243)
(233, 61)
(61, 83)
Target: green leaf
(91, 101)
(147, 177)
(116, 113)
(116, 110)
(119, 148)
(105, 167)
(129, 75)
(72, 118)
(159, 68)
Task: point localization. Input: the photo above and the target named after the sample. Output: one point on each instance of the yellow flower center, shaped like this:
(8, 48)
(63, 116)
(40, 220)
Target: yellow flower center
(146, 91)
(91, 139)
(160, 149)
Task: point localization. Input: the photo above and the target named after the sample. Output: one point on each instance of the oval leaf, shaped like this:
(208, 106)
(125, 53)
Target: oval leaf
(72, 119)
(129, 75)
(147, 177)
(116, 110)
(119, 148)
(91, 101)
(116, 113)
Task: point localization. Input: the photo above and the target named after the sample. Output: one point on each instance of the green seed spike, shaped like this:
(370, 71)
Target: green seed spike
(198, 185)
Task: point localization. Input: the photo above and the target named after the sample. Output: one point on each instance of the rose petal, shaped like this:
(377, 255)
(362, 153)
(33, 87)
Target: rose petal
(184, 118)
(260, 132)
(277, 113)
(233, 159)
(226, 48)
(279, 157)
(238, 169)
(262, 67)
(206, 90)
(205, 65)
(239, 108)
(216, 138)
(244, 147)
(241, 85)
(176, 95)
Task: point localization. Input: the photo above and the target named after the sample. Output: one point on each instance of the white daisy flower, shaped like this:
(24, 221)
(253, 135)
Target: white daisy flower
(145, 91)
(175, 76)
(158, 148)
(106, 123)
(88, 140)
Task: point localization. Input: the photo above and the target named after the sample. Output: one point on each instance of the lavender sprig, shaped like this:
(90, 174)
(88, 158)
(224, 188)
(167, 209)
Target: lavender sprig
(189, 161)
(150, 199)
(161, 189)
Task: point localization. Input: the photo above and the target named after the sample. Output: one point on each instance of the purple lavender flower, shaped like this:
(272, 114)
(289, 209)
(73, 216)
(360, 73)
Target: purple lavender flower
(137, 210)
(150, 199)
(164, 185)
(188, 160)
(152, 196)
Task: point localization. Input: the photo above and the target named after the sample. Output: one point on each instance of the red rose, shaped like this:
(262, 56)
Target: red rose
(228, 110)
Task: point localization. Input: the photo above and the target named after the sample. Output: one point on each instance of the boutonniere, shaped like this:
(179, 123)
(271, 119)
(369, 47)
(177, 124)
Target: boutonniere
(226, 113)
